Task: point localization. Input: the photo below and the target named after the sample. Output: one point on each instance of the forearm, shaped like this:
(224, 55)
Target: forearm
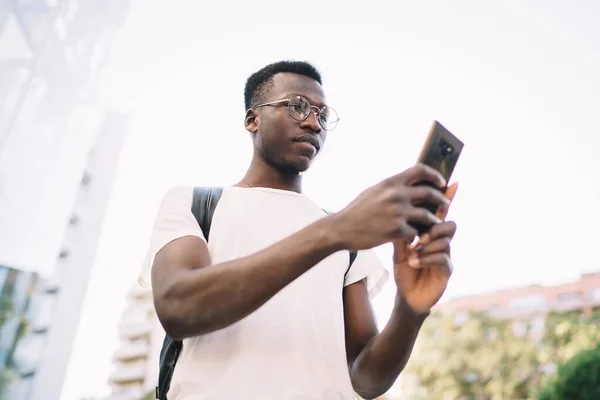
(214, 297)
(380, 362)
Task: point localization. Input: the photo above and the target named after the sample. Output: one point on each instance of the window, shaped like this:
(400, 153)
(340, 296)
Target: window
(29, 351)
(529, 302)
(567, 297)
(23, 386)
(594, 294)
(45, 312)
(565, 301)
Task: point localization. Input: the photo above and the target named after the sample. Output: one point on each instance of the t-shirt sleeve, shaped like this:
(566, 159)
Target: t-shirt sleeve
(174, 220)
(367, 265)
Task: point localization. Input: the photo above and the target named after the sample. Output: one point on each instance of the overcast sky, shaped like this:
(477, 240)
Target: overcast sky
(517, 81)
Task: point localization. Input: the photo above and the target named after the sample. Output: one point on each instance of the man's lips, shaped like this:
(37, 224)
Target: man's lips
(309, 139)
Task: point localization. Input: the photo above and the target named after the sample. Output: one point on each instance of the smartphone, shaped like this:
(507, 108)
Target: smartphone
(441, 151)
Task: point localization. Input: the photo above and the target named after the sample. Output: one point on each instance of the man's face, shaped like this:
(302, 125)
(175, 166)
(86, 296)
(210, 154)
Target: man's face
(281, 141)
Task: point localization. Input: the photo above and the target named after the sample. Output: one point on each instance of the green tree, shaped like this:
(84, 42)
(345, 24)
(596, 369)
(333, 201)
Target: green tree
(7, 373)
(577, 379)
(480, 358)
(567, 334)
(7, 376)
(149, 396)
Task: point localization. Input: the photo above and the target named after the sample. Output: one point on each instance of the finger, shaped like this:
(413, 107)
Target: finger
(450, 193)
(421, 216)
(401, 251)
(444, 229)
(405, 234)
(419, 173)
(426, 194)
(439, 261)
(441, 245)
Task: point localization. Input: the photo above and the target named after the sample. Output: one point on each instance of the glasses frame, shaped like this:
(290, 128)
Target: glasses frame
(316, 110)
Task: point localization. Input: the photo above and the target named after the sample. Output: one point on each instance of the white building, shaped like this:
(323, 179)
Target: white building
(135, 361)
(51, 56)
(53, 190)
(47, 350)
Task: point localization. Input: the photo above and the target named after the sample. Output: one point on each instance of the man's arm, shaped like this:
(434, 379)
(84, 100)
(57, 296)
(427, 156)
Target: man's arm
(193, 297)
(376, 359)
(421, 272)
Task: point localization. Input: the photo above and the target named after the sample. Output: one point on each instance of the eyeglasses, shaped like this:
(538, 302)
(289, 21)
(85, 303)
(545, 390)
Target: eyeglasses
(300, 109)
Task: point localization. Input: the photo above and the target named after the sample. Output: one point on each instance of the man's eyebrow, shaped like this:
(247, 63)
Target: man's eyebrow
(317, 103)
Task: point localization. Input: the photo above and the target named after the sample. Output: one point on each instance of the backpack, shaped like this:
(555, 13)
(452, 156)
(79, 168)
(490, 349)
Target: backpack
(204, 203)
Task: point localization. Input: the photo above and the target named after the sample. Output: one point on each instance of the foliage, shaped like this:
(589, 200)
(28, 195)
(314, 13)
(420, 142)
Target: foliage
(6, 309)
(7, 377)
(577, 379)
(7, 373)
(481, 358)
(149, 396)
(567, 334)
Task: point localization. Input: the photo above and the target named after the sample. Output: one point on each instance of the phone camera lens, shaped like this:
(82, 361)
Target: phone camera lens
(446, 149)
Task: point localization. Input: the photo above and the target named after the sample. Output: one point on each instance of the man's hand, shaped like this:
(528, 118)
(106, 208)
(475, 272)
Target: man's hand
(386, 212)
(422, 269)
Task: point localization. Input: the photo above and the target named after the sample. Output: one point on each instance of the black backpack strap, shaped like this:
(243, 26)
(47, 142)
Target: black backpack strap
(204, 204)
(203, 207)
(169, 353)
(353, 253)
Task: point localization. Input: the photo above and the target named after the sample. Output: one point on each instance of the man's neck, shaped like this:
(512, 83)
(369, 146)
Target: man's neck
(260, 174)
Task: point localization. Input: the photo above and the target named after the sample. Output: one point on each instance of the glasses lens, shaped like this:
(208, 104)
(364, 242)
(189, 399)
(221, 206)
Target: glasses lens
(328, 118)
(299, 108)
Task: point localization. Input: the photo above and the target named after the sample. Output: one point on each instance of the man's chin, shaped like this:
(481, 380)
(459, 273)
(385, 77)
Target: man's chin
(297, 166)
(303, 164)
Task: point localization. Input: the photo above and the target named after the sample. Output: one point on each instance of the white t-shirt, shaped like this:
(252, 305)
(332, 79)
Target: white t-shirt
(293, 347)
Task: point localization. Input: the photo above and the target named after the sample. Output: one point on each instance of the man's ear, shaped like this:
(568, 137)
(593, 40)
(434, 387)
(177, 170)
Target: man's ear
(251, 121)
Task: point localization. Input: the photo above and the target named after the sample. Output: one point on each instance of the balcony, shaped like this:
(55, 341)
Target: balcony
(128, 373)
(571, 305)
(135, 330)
(51, 286)
(526, 306)
(139, 309)
(569, 302)
(139, 292)
(525, 312)
(594, 297)
(132, 350)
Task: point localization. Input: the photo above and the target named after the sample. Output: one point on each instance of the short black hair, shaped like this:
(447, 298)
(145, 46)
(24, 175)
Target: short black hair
(259, 83)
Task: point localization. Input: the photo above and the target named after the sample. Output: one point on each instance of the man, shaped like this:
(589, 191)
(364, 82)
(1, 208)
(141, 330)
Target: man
(267, 309)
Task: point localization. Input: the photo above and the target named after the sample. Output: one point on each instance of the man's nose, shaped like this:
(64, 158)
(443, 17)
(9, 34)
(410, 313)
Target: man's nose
(312, 122)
